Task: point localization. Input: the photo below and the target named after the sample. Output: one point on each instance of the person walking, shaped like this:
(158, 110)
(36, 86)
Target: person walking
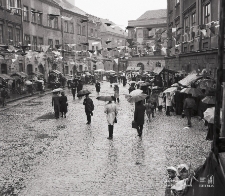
(148, 106)
(4, 95)
(56, 104)
(97, 86)
(116, 92)
(168, 104)
(189, 105)
(131, 88)
(89, 108)
(178, 97)
(160, 101)
(63, 104)
(73, 89)
(139, 115)
(79, 86)
(111, 114)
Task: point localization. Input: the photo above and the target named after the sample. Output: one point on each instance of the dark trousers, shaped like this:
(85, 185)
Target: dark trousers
(118, 100)
(139, 130)
(168, 110)
(56, 109)
(188, 113)
(110, 128)
(3, 101)
(160, 108)
(88, 116)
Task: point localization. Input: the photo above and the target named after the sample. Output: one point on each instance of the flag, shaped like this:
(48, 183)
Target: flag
(66, 18)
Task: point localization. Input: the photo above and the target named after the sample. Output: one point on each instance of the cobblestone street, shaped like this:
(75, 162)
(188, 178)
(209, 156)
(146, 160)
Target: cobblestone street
(42, 156)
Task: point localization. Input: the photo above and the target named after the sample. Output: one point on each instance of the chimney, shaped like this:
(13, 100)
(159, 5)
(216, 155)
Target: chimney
(72, 2)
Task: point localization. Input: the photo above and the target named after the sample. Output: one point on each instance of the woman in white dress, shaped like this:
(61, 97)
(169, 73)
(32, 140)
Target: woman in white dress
(111, 111)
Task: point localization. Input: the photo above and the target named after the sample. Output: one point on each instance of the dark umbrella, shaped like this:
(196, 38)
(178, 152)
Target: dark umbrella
(193, 91)
(106, 98)
(209, 100)
(83, 92)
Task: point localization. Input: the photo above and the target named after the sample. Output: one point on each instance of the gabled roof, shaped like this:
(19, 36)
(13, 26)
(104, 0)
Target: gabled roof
(68, 6)
(112, 28)
(162, 13)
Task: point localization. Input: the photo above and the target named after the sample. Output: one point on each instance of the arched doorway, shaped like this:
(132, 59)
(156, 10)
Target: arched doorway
(54, 67)
(41, 69)
(3, 68)
(80, 68)
(29, 69)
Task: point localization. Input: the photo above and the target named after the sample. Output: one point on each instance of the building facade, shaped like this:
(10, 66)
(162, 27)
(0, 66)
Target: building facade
(11, 35)
(193, 27)
(147, 40)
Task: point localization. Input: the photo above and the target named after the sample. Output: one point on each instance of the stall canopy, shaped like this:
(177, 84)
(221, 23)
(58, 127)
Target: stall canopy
(158, 70)
(20, 74)
(130, 68)
(188, 80)
(5, 77)
(56, 72)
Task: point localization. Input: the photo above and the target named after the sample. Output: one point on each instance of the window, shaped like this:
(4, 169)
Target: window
(0, 2)
(71, 28)
(66, 26)
(33, 16)
(92, 32)
(56, 23)
(34, 44)
(40, 41)
(186, 22)
(146, 33)
(49, 21)
(9, 4)
(207, 13)
(1, 33)
(78, 29)
(10, 34)
(50, 42)
(93, 48)
(39, 18)
(83, 30)
(193, 19)
(25, 13)
(96, 47)
(18, 5)
(26, 40)
(84, 48)
(17, 38)
(56, 42)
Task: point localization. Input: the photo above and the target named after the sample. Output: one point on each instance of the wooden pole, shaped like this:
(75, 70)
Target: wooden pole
(216, 128)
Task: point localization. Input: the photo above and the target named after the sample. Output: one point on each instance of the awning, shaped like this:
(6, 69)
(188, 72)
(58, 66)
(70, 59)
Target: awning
(5, 77)
(56, 72)
(189, 79)
(130, 68)
(20, 74)
(158, 70)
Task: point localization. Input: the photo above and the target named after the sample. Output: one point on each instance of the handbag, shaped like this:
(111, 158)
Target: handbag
(115, 120)
(134, 124)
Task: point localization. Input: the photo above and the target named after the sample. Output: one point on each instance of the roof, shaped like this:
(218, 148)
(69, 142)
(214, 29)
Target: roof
(68, 6)
(153, 14)
(189, 79)
(112, 28)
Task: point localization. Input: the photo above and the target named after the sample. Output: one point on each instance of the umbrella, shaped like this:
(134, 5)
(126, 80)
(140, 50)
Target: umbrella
(170, 90)
(156, 87)
(106, 98)
(175, 85)
(132, 82)
(136, 98)
(140, 82)
(209, 115)
(28, 82)
(209, 100)
(193, 91)
(136, 92)
(57, 90)
(83, 92)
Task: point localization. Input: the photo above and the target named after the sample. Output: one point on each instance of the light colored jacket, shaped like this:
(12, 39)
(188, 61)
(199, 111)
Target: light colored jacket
(111, 111)
(168, 100)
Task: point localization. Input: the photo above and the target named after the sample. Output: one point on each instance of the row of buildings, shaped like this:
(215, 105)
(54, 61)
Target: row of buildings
(182, 38)
(44, 35)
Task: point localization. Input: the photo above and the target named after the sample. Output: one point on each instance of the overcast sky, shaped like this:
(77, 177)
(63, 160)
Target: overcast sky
(119, 11)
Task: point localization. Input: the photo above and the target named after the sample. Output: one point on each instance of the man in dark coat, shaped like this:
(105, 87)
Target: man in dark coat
(111, 80)
(89, 108)
(97, 86)
(139, 115)
(73, 89)
(189, 105)
(4, 95)
(79, 86)
(56, 104)
(178, 98)
(63, 104)
(124, 81)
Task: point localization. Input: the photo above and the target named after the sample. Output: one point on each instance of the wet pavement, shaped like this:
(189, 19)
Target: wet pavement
(40, 155)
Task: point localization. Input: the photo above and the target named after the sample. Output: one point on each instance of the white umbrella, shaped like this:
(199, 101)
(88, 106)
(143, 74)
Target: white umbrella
(136, 92)
(170, 90)
(57, 90)
(28, 82)
(209, 115)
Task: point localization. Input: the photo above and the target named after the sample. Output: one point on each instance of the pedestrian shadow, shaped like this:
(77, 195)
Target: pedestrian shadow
(46, 116)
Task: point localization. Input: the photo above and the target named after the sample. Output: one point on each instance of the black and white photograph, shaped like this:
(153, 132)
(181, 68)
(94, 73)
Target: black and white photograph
(112, 98)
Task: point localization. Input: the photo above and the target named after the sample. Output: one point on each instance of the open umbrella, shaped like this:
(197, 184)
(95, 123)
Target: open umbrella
(88, 74)
(83, 92)
(136, 98)
(136, 92)
(175, 85)
(57, 90)
(106, 98)
(193, 91)
(28, 82)
(170, 90)
(132, 82)
(209, 115)
(209, 100)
